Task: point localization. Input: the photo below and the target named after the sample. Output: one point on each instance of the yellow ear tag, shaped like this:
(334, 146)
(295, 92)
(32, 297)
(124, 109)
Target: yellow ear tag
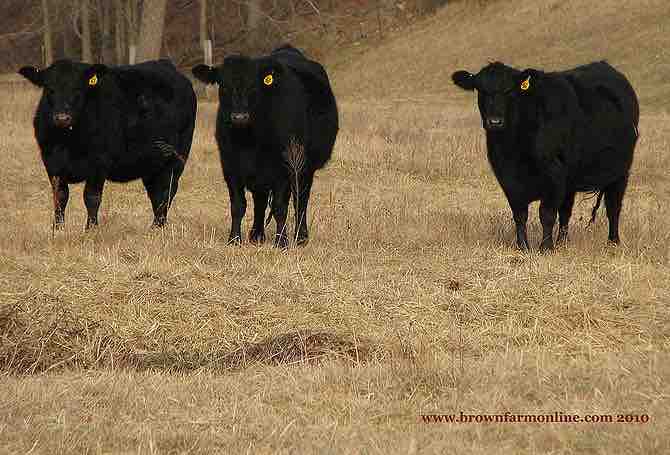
(525, 85)
(93, 81)
(268, 80)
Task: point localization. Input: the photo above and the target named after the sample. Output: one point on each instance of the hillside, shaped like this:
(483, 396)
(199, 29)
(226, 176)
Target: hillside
(409, 300)
(634, 36)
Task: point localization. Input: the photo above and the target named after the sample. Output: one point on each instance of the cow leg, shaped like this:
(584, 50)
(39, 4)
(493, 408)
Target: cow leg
(61, 195)
(564, 214)
(300, 203)
(520, 219)
(613, 201)
(548, 219)
(257, 233)
(238, 207)
(280, 199)
(161, 189)
(92, 198)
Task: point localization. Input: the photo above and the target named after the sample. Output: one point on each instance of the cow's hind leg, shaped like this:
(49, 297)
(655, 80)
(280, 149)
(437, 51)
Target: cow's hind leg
(280, 199)
(613, 201)
(548, 220)
(257, 233)
(92, 199)
(520, 219)
(300, 202)
(564, 214)
(61, 194)
(161, 189)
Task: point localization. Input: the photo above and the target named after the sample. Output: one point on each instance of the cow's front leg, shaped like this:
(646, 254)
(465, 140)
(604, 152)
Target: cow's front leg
(61, 195)
(520, 213)
(257, 233)
(238, 207)
(280, 199)
(548, 219)
(92, 198)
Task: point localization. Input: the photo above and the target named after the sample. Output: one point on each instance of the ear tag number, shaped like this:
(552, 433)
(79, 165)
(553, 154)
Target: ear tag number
(525, 85)
(269, 80)
(93, 81)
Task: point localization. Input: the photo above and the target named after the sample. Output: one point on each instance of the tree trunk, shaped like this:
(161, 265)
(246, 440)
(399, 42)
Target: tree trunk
(132, 29)
(203, 23)
(120, 32)
(86, 52)
(151, 30)
(107, 39)
(48, 49)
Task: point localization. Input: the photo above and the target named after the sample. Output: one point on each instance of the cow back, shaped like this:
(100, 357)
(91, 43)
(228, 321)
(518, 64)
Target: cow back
(323, 113)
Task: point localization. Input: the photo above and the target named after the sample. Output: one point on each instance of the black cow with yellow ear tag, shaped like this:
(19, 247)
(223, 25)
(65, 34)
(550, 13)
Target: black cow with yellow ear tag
(550, 135)
(276, 126)
(96, 123)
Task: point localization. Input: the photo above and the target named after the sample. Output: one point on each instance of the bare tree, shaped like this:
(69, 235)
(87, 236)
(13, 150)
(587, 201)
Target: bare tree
(120, 31)
(151, 29)
(48, 48)
(132, 28)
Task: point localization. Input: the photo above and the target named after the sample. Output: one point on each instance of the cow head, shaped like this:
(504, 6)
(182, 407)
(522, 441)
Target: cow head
(243, 83)
(66, 85)
(500, 89)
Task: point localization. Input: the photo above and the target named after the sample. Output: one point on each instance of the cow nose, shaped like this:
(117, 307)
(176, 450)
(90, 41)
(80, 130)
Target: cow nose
(239, 118)
(495, 122)
(62, 119)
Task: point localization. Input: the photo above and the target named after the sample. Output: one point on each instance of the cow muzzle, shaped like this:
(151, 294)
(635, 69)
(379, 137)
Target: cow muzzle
(62, 120)
(494, 123)
(240, 118)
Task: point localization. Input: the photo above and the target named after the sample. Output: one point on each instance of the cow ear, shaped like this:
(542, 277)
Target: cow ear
(204, 73)
(464, 80)
(93, 75)
(527, 81)
(139, 82)
(33, 74)
(271, 75)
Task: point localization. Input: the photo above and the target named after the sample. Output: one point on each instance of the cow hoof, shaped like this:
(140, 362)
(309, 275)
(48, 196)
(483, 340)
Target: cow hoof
(158, 223)
(256, 237)
(302, 241)
(90, 226)
(546, 247)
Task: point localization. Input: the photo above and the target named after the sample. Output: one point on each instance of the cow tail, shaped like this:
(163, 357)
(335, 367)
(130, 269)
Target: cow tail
(269, 218)
(594, 212)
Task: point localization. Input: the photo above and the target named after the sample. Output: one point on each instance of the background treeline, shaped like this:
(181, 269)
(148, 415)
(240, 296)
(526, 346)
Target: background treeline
(121, 31)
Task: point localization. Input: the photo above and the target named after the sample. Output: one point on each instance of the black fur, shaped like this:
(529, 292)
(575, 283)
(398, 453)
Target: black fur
(96, 123)
(256, 125)
(551, 135)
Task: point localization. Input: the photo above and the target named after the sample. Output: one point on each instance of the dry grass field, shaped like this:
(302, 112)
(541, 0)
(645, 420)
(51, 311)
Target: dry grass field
(410, 298)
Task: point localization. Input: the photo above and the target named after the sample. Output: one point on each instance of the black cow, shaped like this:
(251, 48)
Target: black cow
(276, 125)
(551, 135)
(96, 123)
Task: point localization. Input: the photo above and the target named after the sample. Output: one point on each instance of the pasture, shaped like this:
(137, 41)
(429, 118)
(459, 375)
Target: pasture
(410, 298)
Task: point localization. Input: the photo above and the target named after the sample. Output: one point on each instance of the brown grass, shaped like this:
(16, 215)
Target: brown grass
(408, 300)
